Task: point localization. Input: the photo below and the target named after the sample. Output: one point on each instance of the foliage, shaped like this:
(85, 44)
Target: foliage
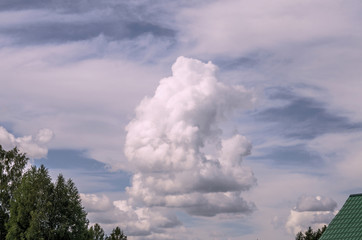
(310, 234)
(68, 216)
(96, 232)
(12, 164)
(32, 207)
(29, 207)
(117, 234)
(43, 210)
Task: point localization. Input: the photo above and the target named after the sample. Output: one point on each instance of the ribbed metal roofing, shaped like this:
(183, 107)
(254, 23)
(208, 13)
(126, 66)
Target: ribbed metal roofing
(347, 224)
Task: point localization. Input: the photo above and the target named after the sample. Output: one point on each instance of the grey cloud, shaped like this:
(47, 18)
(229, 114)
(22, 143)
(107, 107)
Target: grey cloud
(62, 21)
(62, 32)
(223, 206)
(295, 155)
(319, 203)
(60, 5)
(219, 184)
(23, 4)
(305, 118)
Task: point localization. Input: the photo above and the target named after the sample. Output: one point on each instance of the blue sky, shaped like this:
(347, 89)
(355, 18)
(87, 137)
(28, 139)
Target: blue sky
(189, 119)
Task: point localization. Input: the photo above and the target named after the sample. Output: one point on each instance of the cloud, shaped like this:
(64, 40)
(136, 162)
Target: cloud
(304, 117)
(94, 107)
(143, 220)
(135, 221)
(232, 28)
(44, 135)
(34, 148)
(179, 156)
(342, 152)
(300, 221)
(318, 203)
(312, 212)
(95, 203)
(169, 138)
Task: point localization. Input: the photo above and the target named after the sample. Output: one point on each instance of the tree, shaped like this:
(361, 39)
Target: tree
(299, 236)
(319, 232)
(310, 234)
(29, 209)
(68, 216)
(96, 232)
(12, 164)
(43, 210)
(117, 234)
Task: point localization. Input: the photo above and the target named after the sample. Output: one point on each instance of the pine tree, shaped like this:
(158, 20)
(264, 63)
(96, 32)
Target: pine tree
(299, 236)
(117, 234)
(70, 220)
(310, 234)
(96, 232)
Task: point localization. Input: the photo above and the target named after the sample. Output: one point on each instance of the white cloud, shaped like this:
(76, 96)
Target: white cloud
(135, 221)
(180, 159)
(166, 142)
(300, 221)
(44, 135)
(34, 148)
(95, 203)
(310, 211)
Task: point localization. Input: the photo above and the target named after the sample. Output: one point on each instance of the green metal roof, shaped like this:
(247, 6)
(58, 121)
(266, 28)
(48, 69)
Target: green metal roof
(347, 224)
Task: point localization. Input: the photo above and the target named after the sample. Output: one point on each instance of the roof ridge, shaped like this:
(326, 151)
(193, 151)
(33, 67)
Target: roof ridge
(356, 195)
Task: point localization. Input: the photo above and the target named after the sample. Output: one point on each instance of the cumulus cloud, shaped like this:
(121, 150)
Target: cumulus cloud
(314, 211)
(136, 221)
(33, 147)
(144, 220)
(181, 159)
(95, 203)
(167, 142)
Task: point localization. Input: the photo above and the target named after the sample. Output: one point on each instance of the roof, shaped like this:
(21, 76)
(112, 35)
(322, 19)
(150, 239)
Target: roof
(347, 224)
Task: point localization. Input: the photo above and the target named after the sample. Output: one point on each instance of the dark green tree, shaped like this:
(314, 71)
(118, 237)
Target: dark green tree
(117, 234)
(96, 232)
(29, 210)
(299, 236)
(43, 210)
(310, 234)
(319, 232)
(12, 164)
(68, 218)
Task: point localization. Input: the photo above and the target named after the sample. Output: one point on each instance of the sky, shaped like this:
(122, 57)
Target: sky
(219, 119)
